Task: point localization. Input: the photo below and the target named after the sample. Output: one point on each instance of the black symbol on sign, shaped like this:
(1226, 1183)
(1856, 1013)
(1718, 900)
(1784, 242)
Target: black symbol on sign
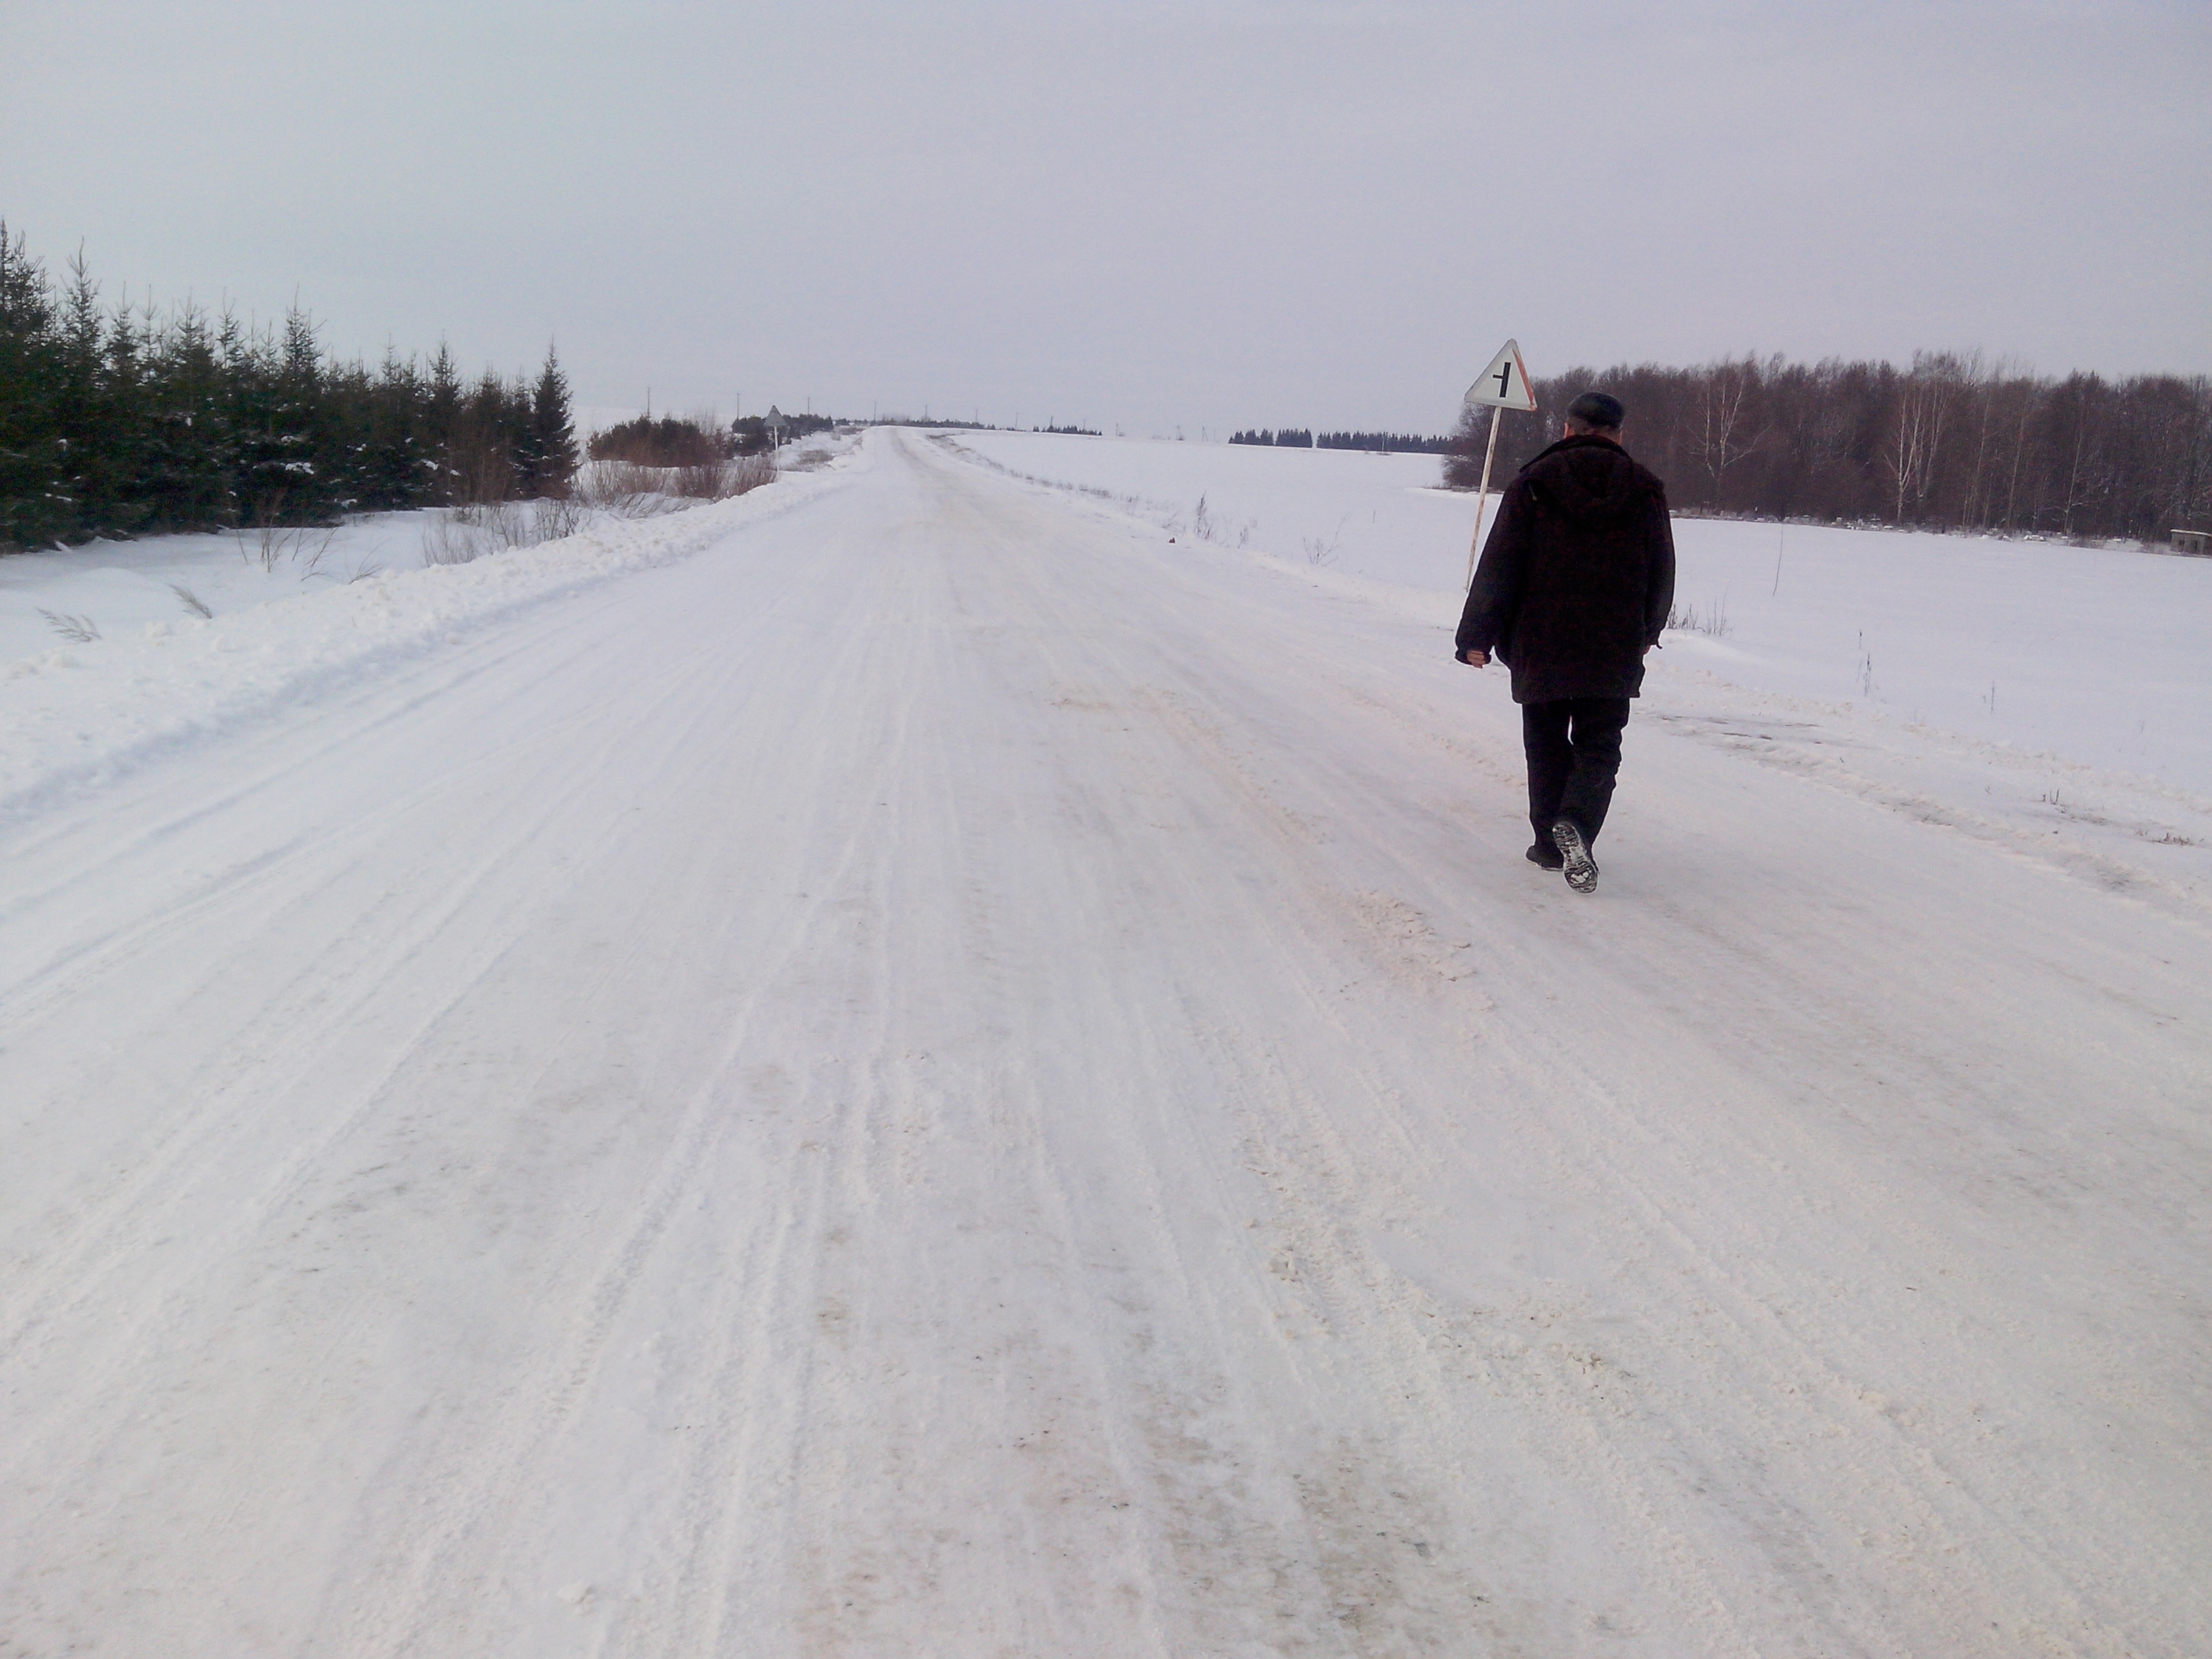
(1505, 378)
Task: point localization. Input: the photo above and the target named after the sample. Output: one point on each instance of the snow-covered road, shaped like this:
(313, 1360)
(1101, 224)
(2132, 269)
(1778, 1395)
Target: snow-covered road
(946, 1076)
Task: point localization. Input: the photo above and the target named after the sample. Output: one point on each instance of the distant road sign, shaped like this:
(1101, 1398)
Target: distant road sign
(1504, 383)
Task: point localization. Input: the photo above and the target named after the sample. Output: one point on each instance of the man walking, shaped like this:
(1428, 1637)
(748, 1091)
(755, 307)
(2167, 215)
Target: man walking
(1575, 585)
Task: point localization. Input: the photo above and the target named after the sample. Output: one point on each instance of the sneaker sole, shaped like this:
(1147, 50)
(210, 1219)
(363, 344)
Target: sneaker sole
(1581, 869)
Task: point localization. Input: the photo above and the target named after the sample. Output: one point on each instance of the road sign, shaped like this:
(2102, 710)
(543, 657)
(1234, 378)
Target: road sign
(1504, 383)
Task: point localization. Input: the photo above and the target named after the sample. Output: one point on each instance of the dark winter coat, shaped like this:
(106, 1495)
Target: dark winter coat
(1578, 576)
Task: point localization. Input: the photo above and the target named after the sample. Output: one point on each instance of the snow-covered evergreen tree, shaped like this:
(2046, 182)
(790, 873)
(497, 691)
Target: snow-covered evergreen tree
(31, 514)
(552, 431)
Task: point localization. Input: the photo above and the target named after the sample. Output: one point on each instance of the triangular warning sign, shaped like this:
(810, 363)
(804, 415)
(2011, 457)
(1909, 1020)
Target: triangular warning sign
(1504, 383)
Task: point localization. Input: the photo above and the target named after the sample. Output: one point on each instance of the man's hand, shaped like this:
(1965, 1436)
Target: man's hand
(1475, 659)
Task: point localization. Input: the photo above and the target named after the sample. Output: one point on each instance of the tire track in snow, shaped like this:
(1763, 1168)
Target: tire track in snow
(403, 941)
(1541, 1074)
(424, 1586)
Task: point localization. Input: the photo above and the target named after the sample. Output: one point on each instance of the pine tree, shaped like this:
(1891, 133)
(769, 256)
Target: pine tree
(189, 454)
(441, 419)
(552, 431)
(81, 491)
(242, 360)
(30, 457)
(397, 468)
(304, 431)
(345, 433)
(126, 441)
(250, 373)
(481, 455)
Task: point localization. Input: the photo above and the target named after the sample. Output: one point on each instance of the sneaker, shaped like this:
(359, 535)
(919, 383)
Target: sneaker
(1575, 856)
(1543, 857)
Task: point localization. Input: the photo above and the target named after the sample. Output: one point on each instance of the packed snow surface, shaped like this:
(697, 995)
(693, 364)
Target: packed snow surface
(905, 1066)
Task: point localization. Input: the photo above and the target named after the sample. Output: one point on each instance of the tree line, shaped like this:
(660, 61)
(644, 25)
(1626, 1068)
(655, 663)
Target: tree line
(1389, 443)
(119, 421)
(699, 439)
(1950, 443)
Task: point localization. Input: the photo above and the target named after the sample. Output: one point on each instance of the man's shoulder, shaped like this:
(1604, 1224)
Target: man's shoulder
(1585, 470)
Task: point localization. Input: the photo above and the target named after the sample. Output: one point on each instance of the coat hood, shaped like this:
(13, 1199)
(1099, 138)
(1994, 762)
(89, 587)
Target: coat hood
(1591, 480)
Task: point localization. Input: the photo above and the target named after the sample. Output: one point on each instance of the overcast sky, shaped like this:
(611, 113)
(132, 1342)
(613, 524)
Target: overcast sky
(1196, 213)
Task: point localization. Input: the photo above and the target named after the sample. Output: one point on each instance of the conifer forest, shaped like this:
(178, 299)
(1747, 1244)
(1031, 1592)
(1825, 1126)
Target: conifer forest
(118, 420)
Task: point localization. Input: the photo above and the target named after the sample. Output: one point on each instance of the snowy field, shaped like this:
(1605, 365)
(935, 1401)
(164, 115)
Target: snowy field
(904, 1065)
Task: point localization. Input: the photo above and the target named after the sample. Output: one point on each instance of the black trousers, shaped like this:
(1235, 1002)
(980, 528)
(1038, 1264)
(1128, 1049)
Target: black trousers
(1574, 753)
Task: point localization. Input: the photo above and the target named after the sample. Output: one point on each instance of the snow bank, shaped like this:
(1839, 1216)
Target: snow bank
(75, 715)
(120, 586)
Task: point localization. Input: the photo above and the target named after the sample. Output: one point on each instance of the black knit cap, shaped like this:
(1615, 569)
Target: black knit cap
(1597, 409)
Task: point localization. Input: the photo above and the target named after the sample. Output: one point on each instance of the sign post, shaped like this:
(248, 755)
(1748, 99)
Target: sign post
(1504, 385)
